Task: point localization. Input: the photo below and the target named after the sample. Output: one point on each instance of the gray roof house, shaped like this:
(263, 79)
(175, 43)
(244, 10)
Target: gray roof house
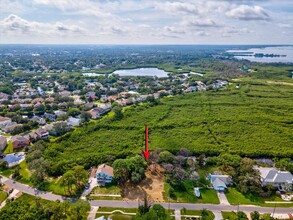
(283, 180)
(73, 122)
(3, 143)
(220, 182)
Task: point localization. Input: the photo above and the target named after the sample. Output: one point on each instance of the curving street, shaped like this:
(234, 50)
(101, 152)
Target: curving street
(130, 204)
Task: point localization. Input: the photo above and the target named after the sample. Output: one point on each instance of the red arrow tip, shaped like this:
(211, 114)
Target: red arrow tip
(146, 155)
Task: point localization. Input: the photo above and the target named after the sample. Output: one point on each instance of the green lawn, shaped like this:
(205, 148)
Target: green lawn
(197, 213)
(9, 148)
(234, 197)
(3, 196)
(24, 172)
(207, 195)
(110, 209)
(229, 215)
(108, 189)
(116, 216)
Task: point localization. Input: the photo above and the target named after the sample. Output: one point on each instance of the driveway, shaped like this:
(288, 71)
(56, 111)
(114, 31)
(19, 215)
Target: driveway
(223, 198)
(93, 184)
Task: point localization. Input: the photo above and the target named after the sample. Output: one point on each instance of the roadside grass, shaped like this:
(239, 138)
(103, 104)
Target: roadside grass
(108, 189)
(110, 209)
(52, 185)
(32, 199)
(115, 216)
(3, 196)
(196, 213)
(234, 197)
(9, 148)
(229, 215)
(104, 198)
(207, 195)
(24, 172)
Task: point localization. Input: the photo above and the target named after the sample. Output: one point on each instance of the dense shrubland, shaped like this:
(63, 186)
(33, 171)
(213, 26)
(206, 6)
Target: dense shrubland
(255, 120)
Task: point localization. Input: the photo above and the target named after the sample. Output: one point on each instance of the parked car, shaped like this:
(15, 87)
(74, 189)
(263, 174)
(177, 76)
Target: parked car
(10, 191)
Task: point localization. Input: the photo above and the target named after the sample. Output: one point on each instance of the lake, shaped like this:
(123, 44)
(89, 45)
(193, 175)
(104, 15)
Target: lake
(286, 53)
(142, 72)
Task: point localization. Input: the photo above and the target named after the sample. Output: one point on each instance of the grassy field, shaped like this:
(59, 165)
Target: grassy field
(9, 148)
(196, 213)
(229, 215)
(110, 209)
(116, 216)
(235, 196)
(207, 196)
(3, 196)
(254, 120)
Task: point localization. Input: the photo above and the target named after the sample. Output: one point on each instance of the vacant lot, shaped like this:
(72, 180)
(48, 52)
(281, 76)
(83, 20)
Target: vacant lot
(152, 186)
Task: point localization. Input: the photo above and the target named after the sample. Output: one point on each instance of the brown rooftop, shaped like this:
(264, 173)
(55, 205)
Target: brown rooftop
(105, 169)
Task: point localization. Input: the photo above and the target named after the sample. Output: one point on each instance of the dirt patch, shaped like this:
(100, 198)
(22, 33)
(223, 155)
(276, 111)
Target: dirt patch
(152, 185)
(280, 83)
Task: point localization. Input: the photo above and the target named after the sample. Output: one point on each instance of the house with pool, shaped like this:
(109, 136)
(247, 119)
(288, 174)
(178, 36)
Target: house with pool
(14, 158)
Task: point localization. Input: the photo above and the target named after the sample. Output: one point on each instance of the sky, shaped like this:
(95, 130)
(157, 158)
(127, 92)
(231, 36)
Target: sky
(146, 22)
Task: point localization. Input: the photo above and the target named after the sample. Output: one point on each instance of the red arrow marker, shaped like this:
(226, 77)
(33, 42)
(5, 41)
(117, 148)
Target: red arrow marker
(146, 153)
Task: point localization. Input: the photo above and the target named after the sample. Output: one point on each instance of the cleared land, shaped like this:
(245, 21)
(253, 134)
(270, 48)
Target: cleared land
(152, 185)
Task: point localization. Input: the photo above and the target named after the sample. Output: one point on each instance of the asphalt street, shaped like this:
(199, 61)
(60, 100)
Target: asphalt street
(131, 204)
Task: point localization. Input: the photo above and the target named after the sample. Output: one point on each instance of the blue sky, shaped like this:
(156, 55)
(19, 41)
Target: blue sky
(146, 22)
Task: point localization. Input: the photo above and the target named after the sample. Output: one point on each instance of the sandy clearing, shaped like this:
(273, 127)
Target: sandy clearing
(152, 185)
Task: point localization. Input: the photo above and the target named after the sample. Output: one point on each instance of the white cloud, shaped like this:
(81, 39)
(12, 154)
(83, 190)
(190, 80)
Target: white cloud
(245, 12)
(177, 7)
(16, 25)
(200, 22)
(283, 25)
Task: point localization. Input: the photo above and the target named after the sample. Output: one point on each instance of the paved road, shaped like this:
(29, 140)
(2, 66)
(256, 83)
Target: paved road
(30, 190)
(246, 208)
(129, 204)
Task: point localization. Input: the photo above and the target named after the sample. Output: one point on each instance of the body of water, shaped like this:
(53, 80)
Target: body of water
(286, 54)
(142, 72)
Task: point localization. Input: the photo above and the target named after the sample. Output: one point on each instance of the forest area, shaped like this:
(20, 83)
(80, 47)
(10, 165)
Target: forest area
(249, 118)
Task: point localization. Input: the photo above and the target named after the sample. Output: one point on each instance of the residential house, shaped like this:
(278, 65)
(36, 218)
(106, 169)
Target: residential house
(25, 107)
(39, 120)
(10, 128)
(39, 134)
(49, 116)
(37, 100)
(73, 122)
(62, 105)
(282, 180)
(49, 100)
(105, 107)
(220, 182)
(19, 141)
(59, 113)
(4, 120)
(65, 93)
(104, 174)
(95, 113)
(3, 143)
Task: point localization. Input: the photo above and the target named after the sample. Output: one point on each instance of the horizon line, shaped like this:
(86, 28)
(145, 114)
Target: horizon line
(89, 44)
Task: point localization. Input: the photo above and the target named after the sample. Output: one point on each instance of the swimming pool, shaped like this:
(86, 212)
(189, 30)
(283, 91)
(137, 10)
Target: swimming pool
(12, 158)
